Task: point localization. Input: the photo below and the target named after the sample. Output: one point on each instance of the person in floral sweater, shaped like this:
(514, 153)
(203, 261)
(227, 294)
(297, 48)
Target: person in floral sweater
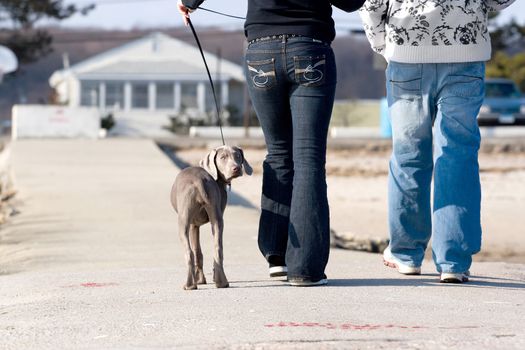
(436, 52)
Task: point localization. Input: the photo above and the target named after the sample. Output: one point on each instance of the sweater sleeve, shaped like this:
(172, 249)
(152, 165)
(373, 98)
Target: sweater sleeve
(373, 14)
(496, 5)
(192, 4)
(347, 5)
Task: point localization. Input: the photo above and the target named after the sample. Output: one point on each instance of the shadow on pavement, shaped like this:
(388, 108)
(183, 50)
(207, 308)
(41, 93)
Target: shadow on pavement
(429, 280)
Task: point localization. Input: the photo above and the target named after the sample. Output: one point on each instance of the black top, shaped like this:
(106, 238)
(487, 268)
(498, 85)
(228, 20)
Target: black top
(312, 18)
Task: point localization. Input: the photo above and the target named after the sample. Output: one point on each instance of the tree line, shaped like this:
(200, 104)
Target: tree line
(508, 53)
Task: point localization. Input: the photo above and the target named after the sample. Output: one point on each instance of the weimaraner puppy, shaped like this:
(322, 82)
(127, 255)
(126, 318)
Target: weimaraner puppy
(199, 196)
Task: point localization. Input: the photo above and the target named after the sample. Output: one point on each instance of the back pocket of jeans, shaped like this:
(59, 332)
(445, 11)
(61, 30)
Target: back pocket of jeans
(310, 70)
(262, 73)
(413, 85)
(404, 81)
(465, 86)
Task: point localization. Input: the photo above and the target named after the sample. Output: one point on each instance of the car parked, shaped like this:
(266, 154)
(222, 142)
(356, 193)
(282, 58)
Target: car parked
(503, 105)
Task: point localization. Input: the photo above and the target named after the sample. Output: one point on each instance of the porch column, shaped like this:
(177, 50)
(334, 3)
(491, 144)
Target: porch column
(177, 97)
(201, 97)
(74, 92)
(225, 94)
(102, 95)
(127, 96)
(152, 96)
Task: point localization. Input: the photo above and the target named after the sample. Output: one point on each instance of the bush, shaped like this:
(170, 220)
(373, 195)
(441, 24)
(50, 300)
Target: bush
(107, 122)
(511, 67)
(182, 122)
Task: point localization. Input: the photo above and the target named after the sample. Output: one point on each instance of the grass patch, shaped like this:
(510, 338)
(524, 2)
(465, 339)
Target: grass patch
(356, 113)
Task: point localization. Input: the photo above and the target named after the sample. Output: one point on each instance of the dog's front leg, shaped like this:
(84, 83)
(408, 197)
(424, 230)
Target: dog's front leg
(218, 270)
(184, 232)
(197, 253)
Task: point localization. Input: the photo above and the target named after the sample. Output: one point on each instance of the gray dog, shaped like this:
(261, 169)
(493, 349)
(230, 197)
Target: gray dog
(199, 196)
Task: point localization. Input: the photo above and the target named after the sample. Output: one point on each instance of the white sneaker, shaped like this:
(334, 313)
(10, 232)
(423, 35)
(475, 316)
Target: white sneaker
(277, 266)
(454, 277)
(391, 261)
(278, 271)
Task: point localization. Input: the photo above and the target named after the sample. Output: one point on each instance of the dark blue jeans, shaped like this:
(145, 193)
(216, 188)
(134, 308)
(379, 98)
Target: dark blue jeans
(291, 81)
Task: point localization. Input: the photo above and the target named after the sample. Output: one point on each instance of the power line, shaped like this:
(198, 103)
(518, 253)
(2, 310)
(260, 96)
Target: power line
(116, 2)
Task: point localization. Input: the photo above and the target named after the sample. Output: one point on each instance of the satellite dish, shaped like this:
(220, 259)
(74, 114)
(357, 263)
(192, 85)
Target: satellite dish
(8, 60)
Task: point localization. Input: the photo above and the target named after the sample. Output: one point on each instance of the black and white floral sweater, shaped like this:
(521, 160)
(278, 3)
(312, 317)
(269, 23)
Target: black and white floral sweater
(430, 31)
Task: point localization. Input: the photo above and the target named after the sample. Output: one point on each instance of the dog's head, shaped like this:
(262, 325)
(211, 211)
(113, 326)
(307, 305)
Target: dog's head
(226, 163)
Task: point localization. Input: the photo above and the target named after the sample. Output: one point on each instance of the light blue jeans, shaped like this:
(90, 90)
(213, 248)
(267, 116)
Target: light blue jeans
(433, 109)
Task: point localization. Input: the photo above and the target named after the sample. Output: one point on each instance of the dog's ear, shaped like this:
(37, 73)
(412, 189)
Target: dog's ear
(247, 167)
(208, 163)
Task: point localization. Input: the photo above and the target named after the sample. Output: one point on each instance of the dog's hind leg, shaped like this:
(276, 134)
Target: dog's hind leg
(197, 253)
(184, 232)
(217, 226)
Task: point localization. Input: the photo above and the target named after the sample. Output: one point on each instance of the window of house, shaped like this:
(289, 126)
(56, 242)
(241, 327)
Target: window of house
(188, 95)
(210, 102)
(114, 94)
(165, 96)
(89, 91)
(139, 95)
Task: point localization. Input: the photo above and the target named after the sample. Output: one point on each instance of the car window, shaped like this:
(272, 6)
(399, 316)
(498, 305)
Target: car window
(501, 90)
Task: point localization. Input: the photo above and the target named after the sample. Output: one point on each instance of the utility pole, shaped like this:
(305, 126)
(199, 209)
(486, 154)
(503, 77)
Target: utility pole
(218, 85)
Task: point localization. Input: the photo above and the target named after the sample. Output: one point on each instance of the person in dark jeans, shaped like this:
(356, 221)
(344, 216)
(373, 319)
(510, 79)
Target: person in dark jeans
(291, 75)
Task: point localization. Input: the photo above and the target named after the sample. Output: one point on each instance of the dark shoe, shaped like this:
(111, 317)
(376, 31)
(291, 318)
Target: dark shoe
(277, 266)
(307, 282)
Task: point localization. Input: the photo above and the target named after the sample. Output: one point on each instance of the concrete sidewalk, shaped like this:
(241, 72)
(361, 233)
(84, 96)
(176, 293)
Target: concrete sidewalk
(93, 261)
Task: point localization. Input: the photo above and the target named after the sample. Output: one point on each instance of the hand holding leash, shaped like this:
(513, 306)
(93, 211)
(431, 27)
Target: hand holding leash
(184, 11)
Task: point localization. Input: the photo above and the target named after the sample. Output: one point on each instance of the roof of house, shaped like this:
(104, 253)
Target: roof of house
(154, 57)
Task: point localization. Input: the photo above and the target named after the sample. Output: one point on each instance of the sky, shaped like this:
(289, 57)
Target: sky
(127, 14)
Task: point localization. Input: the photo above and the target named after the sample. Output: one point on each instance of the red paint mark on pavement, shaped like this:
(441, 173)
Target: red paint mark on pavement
(344, 326)
(97, 285)
(357, 327)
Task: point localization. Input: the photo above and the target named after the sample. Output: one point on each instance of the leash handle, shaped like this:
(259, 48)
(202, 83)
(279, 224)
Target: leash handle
(210, 80)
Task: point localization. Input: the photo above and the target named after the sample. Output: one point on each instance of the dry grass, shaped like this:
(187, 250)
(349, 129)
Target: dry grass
(356, 113)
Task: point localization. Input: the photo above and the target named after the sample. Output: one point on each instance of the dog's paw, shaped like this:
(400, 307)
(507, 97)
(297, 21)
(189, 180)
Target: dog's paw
(219, 277)
(200, 278)
(222, 284)
(189, 287)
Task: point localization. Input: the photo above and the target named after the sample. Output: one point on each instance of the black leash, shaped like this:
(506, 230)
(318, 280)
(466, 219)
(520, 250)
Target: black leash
(221, 13)
(208, 69)
(210, 79)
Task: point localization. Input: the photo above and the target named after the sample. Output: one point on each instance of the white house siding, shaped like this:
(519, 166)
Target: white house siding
(74, 98)
(155, 74)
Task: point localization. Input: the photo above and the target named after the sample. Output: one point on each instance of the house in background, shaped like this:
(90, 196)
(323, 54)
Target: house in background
(148, 81)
